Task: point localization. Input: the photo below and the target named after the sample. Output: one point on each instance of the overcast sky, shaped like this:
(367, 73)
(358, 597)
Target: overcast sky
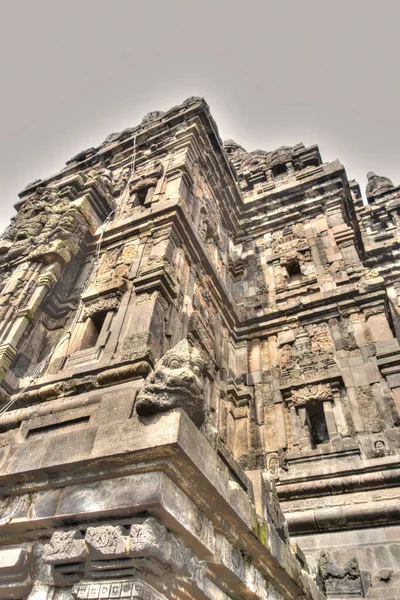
(274, 73)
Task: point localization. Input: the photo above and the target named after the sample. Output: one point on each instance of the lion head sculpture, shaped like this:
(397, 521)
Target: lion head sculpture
(176, 382)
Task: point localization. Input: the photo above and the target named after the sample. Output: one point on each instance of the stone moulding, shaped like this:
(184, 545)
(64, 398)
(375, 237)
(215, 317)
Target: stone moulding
(15, 573)
(386, 512)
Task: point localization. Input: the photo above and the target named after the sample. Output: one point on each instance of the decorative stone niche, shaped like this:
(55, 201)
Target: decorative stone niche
(312, 415)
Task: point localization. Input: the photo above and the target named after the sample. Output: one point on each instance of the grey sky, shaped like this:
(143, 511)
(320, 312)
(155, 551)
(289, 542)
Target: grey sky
(273, 73)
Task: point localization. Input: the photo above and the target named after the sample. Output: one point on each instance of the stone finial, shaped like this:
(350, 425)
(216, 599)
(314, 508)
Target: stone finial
(231, 147)
(377, 184)
(177, 381)
(151, 117)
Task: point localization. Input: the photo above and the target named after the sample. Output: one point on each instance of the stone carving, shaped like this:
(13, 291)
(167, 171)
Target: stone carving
(47, 228)
(152, 546)
(151, 117)
(321, 392)
(188, 103)
(177, 381)
(65, 547)
(122, 181)
(310, 355)
(234, 151)
(137, 590)
(106, 542)
(288, 246)
(369, 411)
(252, 279)
(137, 346)
(339, 580)
(209, 224)
(285, 355)
(102, 305)
(148, 547)
(82, 155)
(380, 448)
(377, 184)
(11, 506)
(321, 340)
(112, 272)
(298, 230)
(205, 530)
(203, 334)
(260, 160)
(273, 464)
(102, 178)
(374, 310)
(143, 182)
(203, 319)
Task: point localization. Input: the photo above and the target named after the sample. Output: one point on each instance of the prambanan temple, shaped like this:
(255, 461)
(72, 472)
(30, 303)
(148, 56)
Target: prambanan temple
(200, 374)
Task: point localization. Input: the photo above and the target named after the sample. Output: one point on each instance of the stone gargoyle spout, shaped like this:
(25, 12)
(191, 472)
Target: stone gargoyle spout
(176, 382)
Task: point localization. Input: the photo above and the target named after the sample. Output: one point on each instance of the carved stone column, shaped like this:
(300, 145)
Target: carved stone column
(334, 436)
(295, 425)
(289, 168)
(305, 434)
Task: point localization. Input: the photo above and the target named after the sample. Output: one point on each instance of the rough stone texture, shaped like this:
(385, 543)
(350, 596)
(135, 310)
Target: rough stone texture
(177, 381)
(190, 332)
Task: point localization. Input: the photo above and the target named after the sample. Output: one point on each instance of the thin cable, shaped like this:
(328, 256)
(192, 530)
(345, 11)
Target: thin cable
(91, 272)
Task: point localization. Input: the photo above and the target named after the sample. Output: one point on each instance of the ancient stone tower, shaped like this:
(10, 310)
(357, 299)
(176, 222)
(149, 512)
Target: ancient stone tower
(189, 332)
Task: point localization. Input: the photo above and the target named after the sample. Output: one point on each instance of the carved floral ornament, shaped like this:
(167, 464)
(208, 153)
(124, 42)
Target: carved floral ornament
(311, 393)
(101, 305)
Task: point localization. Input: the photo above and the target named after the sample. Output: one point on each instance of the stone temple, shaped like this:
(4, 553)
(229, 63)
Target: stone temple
(200, 371)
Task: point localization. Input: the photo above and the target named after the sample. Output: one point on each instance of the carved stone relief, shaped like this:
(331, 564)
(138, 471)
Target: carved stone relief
(321, 392)
(366, 400)
(106, 542)
(47, 228)
(96, 306)
(310, 355)
(377, 184)
(342, 581)
(106, 549)
(136, 346)
(65, 547)
(177, 381)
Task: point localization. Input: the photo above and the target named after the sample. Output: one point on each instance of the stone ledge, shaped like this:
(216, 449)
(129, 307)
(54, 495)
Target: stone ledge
(162, 465)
